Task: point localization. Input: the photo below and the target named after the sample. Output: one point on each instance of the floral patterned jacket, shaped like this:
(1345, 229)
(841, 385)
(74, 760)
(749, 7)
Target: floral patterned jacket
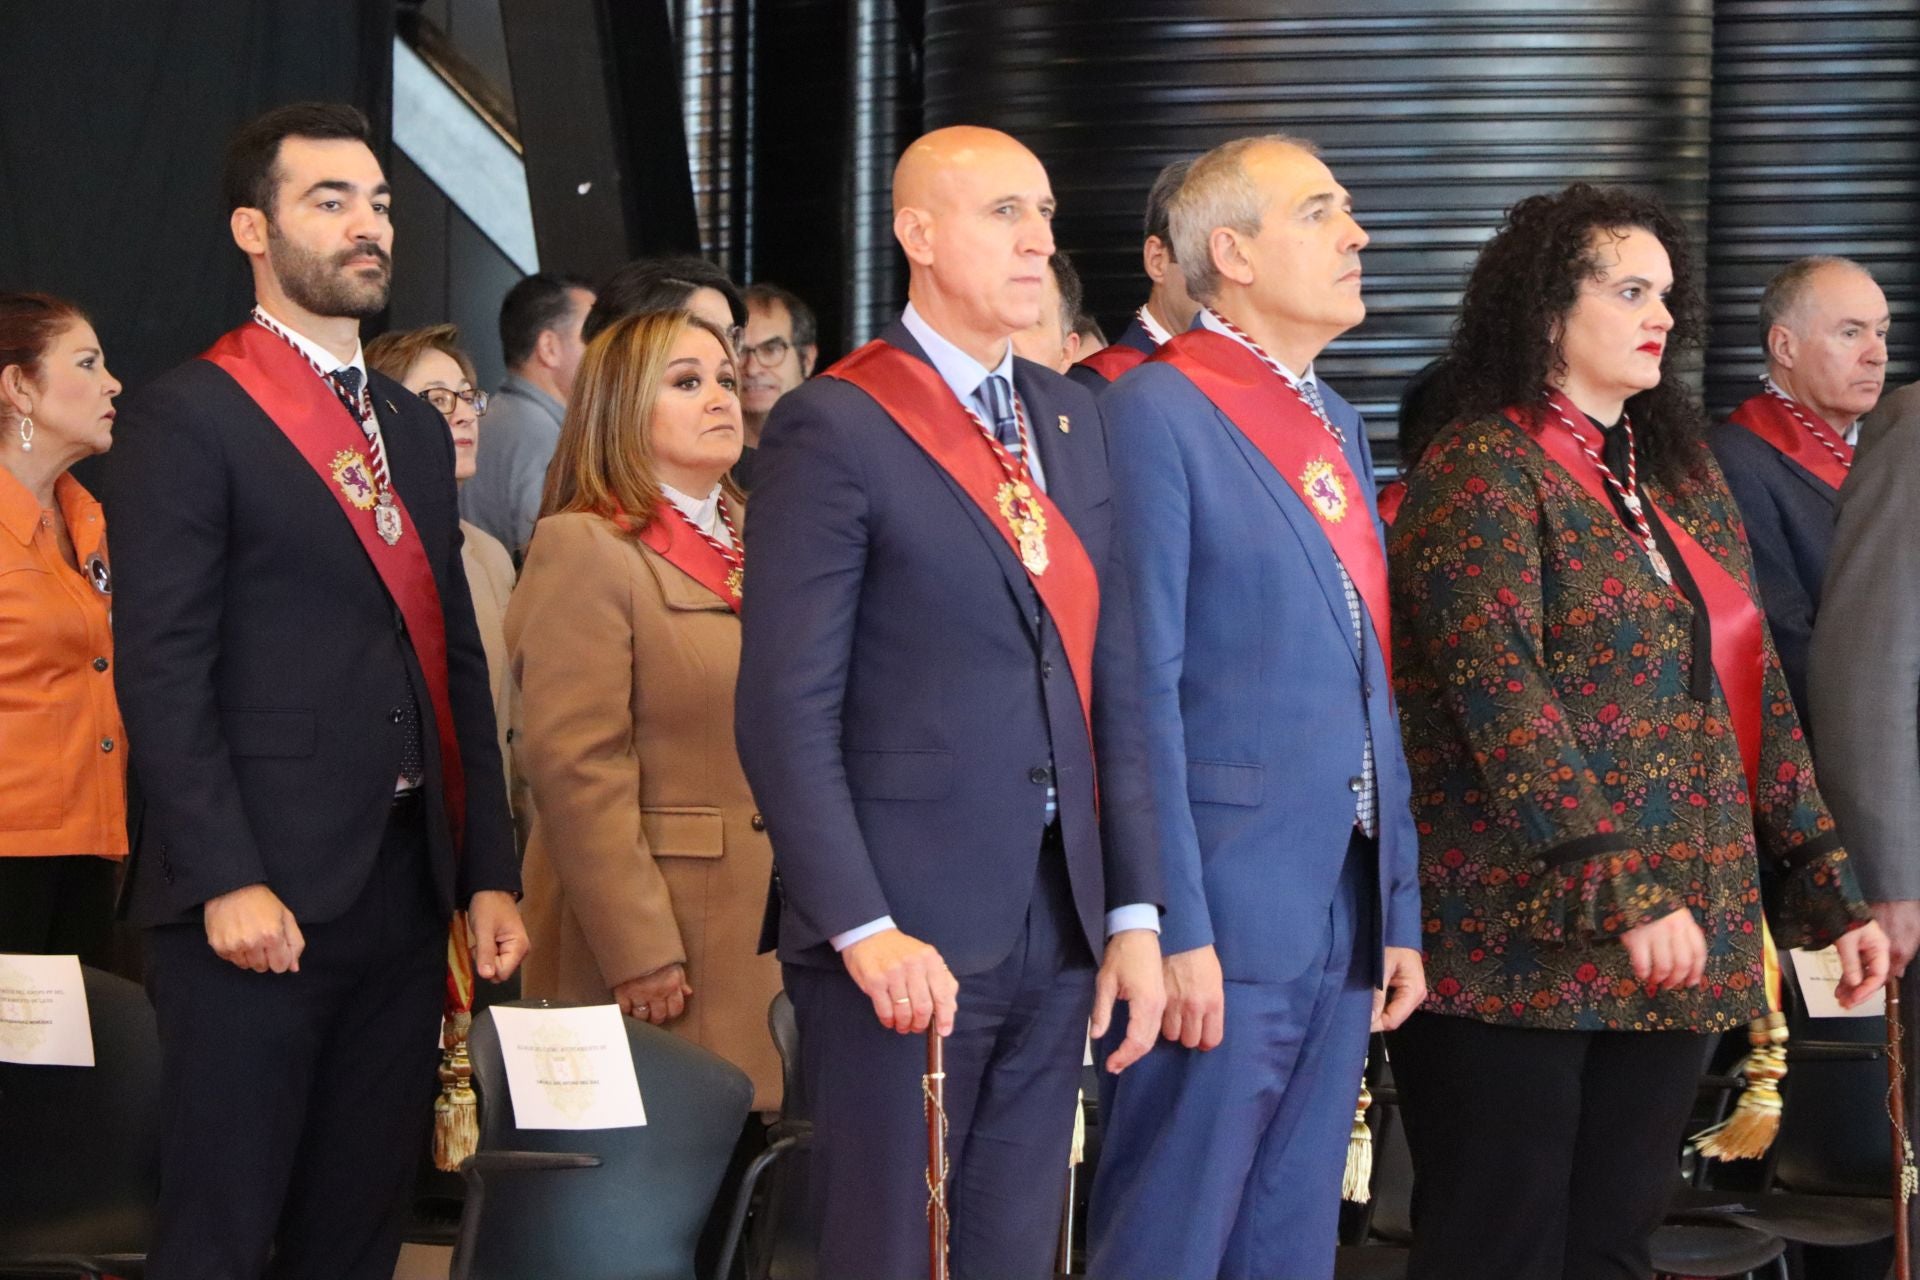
(1567, 785)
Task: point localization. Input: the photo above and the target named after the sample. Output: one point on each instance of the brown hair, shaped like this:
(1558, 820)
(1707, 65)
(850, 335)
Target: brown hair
(603, 463)
(395, 353)
(29, 324)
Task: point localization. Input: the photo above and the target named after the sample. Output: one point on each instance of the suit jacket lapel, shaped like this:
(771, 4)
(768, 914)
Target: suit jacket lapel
(1828, 495)
(1054, 446)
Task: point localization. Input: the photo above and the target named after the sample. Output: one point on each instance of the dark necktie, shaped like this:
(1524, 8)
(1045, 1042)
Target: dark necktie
(1006, 424)
(346, 382)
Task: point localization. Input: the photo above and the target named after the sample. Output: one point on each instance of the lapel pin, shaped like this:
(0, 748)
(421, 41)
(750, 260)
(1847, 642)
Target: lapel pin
(392, 408)
(1065, 426)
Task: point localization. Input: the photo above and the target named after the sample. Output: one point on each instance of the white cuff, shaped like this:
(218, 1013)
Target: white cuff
(841, 941)
(1137, 915)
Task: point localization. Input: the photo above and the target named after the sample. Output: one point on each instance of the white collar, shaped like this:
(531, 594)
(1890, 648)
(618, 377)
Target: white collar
(1209, 321)
(704, 512)
(313, 351)
(1154, 328)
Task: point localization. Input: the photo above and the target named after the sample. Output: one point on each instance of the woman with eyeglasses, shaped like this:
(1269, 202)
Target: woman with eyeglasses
(430, 363)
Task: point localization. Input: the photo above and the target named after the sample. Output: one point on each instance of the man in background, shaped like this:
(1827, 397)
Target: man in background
(1054, 339)
(776, 355)
(540, 338)
(1169, 308)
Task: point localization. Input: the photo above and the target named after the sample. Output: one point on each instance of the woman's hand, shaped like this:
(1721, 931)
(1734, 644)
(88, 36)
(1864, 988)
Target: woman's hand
(1668, 953)
(658, 997)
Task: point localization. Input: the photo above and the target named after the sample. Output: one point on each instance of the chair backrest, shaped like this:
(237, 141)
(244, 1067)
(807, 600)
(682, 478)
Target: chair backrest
(1834, 1131)
(785, 1029)
(639, 1214)
(782, 1243)
(87, 1139)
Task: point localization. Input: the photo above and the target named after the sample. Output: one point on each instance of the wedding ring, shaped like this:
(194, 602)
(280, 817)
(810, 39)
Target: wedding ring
(901, 1000)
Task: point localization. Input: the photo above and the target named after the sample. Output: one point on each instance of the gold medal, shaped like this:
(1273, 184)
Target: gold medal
(736, 582)
(1027, 521)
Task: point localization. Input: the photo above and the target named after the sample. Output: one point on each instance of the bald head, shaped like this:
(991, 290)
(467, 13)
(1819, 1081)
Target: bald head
(934, 170)
(973, 212)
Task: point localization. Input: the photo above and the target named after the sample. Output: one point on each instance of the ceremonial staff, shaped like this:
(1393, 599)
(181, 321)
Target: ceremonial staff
(1904, 1175)
(933, 1086)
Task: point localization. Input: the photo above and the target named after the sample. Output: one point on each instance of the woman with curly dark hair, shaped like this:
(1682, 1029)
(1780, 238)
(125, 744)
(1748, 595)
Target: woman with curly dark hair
(1608, 773)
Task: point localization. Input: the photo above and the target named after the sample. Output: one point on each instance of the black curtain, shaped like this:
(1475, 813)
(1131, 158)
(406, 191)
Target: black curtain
(113, 120)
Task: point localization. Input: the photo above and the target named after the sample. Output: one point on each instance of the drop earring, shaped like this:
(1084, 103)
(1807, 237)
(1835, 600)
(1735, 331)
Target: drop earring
(26, 435)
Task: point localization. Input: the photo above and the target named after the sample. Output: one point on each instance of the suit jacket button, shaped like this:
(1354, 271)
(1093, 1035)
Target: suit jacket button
(757, 822)
(1366, 689)
(1355, 783)
(99, 664)
(106, 744)
(1046, 670)
(396, 715)
(1039, 775)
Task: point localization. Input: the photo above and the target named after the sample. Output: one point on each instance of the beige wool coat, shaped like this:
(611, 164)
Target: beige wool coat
(646, 847)
(490, 581)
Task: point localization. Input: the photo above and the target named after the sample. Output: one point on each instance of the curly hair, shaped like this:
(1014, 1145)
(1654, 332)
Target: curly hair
(1526, 281)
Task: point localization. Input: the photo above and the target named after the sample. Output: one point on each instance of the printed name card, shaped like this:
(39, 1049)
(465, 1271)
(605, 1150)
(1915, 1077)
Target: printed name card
(43, 1012)
(569, 1068)
(1818, 974)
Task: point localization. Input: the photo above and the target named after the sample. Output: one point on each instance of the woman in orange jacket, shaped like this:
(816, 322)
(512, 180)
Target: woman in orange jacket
(63, 812)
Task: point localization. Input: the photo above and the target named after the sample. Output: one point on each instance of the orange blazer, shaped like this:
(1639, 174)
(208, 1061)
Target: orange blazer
(63, 757)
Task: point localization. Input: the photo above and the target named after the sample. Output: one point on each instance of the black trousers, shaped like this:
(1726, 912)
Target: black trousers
(296, 1105)
(57, 906)
(1541, 1155)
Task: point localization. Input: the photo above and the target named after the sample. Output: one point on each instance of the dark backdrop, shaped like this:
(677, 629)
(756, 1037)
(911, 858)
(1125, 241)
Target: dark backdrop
(113, 116)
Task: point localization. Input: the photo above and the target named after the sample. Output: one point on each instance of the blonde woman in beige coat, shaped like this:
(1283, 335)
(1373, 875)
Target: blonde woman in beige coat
(647, 871)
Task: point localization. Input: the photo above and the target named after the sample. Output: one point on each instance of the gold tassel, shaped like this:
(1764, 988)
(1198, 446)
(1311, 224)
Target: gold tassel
(1750, 1130)
(1357, 1186)
(456, 1113)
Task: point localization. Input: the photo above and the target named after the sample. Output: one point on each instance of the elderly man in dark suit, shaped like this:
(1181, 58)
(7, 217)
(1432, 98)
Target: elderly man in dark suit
(1787, 450)
(313, 732)
(937, 647)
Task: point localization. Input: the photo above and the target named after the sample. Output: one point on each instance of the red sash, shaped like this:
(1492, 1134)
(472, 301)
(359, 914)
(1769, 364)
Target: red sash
(1772, 421)
(916, 398)
(1113, 360)
(313, 418)
(1291, 436)
(690, 554)
(1739, 645)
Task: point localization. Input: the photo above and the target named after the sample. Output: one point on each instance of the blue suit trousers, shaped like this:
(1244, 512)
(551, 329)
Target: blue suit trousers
(1227, 1163)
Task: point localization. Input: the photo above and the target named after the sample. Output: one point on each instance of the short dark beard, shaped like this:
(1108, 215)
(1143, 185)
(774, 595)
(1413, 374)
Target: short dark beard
(320, 283)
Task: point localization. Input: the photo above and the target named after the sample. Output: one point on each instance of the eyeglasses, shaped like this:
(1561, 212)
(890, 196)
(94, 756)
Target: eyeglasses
(769, 353)
(443, 399)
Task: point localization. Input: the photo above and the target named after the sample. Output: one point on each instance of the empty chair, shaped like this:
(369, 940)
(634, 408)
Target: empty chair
(90, 1137)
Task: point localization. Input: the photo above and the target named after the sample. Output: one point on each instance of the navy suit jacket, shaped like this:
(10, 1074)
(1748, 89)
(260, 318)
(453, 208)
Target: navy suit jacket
(1135, 335)
(899, 699)
(1789, 513)
(262, 666)
(1257, 696)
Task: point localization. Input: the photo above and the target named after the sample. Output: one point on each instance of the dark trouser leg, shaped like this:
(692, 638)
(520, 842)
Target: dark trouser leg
(57, 906)
(1493, 1117)
(1636, 1093)
(369, 1114)
(284, 1093)
(1010, 1167)
(863, 1085)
